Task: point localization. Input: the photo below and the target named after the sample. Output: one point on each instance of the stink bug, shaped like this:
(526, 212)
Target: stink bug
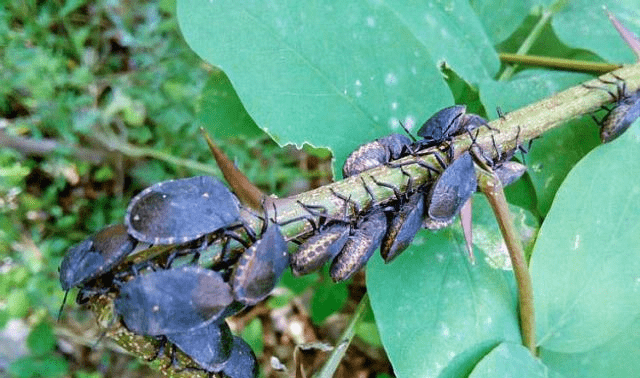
(242, 363)
(452, 189)
(626, 111)
(447, 123)
(509, 172)
(376, 153)
(179, 211)
(260, 267)
(95, 256)
(403, 227)
(404, 221)
(209, 346)
(366, 237)
(173, 301)
(319, 248)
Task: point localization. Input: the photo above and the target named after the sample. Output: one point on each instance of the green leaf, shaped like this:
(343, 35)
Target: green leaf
(488, 239)
(253, 335)
(555, 154)
(18, 303)
(334, 75)
(500, 18)
(434, 309)
(221, 110)
(584, 24)
(511, 360)
(327, 299)
(41, 339)
(585, 263)
(611, 359)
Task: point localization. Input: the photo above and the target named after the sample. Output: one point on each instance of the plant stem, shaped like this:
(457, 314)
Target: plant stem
(526, 45)
(336, 356)
(490, 185)
(559, 63)
(135, 151)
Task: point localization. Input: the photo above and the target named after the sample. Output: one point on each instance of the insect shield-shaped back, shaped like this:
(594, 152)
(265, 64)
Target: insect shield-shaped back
(403, 227)
(209, 346)
(178, 211)
(320, 248)
(173, 301)
(452, 189)
(260, 267)
(619, 119)
(509, 172)
(447, 123)
(242, 363)
(94, 256)
(375, 154)
(364, 240)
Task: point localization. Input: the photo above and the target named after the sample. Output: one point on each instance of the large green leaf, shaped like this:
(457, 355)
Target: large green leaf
(584, 24)
(499, 17)
(436, 311)
(511, 360)
(221, 111)
(337, 74)
(585, 262)
(614, 359)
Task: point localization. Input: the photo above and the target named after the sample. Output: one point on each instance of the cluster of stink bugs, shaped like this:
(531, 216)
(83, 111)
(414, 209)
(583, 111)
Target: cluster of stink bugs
(184, 306)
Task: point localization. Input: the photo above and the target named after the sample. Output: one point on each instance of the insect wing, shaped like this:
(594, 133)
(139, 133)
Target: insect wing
(360, 246)
(442, 124)
(403, 227)
(242, 363)
(509, 172)
(179, 211)
(319, 249)
(173, 301)
(260, 267)
(367, 156)
(396, 144)
(620, 118)
(452, 189)
(94, 256)
(209, 346)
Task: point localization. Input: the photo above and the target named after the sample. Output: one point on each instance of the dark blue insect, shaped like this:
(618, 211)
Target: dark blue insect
(625, 112)
(179, 211)
(173, 301)
(447, 123)
(403, 227)
(209, 346)
(376, 153)
(260, 267)
(242, 363)
(509, 172)
(452, 189)
(94, 256)
(404, 220)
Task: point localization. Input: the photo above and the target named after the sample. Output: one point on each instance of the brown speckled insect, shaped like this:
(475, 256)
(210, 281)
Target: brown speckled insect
(626, 110)
(403, 221)
(376, 153)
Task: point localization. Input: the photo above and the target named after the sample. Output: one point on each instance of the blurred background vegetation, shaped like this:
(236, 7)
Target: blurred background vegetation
(99, 99)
